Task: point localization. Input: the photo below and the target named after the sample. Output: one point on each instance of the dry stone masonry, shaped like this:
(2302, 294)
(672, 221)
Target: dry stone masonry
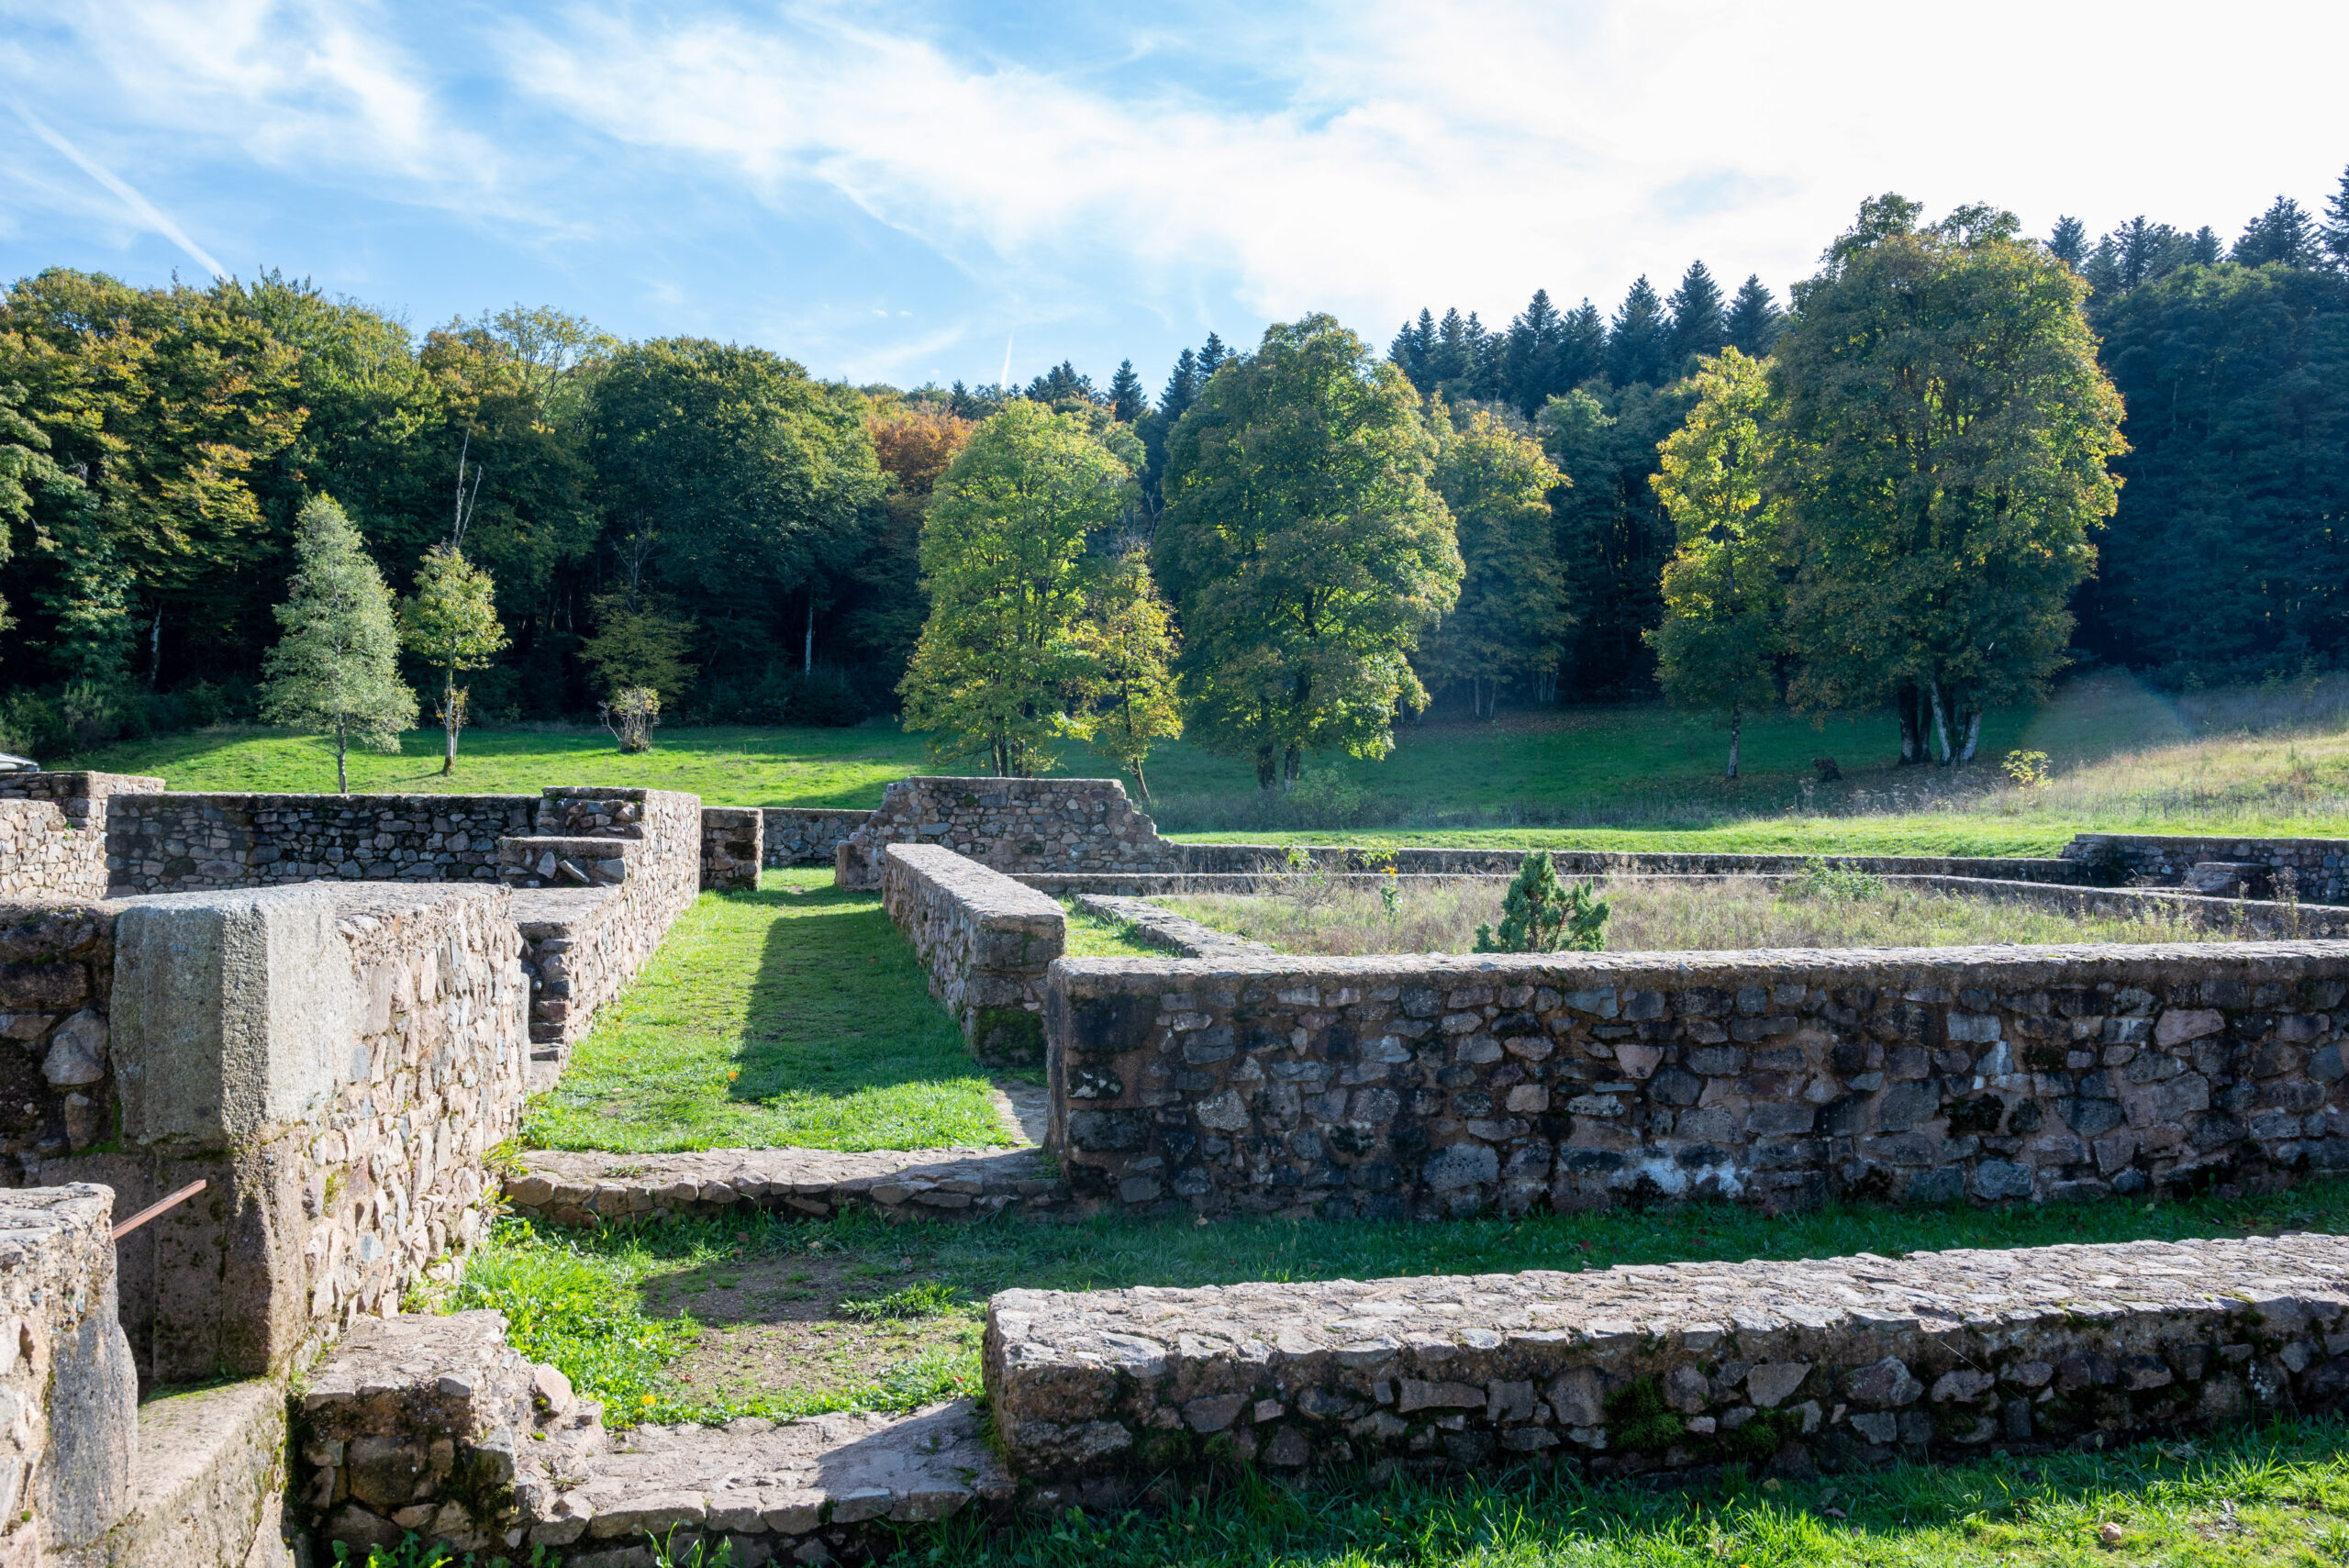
(1178, 934)
(56, 976)
(1433, 1086)
(2316, 869)
(796, 836)
(1843, 1363)
(558, 1187)
(733, 847)
(44, 854)
(987, 942)
(1010, 825)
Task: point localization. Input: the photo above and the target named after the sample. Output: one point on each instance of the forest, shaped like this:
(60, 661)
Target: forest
(1572, 506)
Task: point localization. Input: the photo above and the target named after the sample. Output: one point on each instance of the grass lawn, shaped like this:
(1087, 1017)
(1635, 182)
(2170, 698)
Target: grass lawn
(703, 1320)
(1089, 936)
(2253, 760)
(792, 1016)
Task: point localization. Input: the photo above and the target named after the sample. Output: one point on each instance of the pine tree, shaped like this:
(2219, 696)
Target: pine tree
(1414, 349)
(1182, 386)
(1640, 344)
(1583, 354)
(2204, 247)
(2334, 235)
(1211, 353)
(336, 670)
(1698, 327)
(452, 622)
(2069, 242)
(2283, 233)
(1455, 351)
(1539, 914)
(1125, 400)
(1755, 318)
(1528, 365)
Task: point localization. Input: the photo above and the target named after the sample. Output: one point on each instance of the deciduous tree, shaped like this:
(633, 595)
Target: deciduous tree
(1511, 615)
(336, 670)
(1129, 637)
(451, 622)
(1305, 547)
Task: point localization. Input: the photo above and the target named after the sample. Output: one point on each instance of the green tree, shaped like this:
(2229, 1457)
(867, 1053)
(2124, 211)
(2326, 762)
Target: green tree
(1540, 914)
(1613, 535)
(1639, 342)
(1510, 619)
(1305, 548)
(451, 622)
(1699, 323)
(1723, 628)
(26, 471)
(1001, 667)
(336, 670)
(1131, 639)
(1943, 442)
(1754, 319)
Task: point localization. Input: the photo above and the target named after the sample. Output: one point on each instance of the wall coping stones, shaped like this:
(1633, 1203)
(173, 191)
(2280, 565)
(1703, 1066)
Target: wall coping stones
(583, 1187)
(1844, 1363)
(986, 940)
(211, 1490)
(1162, 928)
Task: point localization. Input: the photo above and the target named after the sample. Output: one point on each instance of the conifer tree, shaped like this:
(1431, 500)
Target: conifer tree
(2204, 249)
(2334, 235)
(1125, 400)
(1212, 353)
(1182, 386)
(1583, 354)
(1529, 358)
(1754, 319)
(1640, 342)
(1414, 349)
(2283, 233)
(336, 670)
(1698, 327)
(2069, 243)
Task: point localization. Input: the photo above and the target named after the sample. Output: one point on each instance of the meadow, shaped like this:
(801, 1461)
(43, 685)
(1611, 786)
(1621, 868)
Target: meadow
(2121, 756)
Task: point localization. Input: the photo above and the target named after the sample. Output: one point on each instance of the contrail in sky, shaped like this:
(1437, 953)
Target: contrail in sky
(147, 212)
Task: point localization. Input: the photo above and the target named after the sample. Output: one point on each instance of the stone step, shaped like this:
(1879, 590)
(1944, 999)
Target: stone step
(210, 1481)
(572, 1187)
(1842, 1363)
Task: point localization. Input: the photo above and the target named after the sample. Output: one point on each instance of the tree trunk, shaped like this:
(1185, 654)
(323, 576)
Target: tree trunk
(341, 773)
(1940, 722)
(449, 723)
(1736, 733)
(1973, 735)
(1267, 773)
(1291, 767)
(155, 650)
(1904, 707)
(808, 649)
(1141, 785)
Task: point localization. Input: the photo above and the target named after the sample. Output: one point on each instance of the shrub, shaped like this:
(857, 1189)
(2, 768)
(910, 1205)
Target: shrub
(1836, 884)
(1541, 915)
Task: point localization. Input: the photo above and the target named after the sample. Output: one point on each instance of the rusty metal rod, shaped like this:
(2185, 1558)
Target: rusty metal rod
(152, 1209)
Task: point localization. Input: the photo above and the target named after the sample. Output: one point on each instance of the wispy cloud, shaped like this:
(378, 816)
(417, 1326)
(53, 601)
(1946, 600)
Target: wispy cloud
(148, 213)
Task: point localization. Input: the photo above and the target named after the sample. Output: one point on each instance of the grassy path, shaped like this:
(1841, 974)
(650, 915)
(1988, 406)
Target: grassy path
(792, 1016)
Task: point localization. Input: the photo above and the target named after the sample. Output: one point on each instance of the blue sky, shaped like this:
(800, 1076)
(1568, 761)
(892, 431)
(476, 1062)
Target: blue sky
(904, 191)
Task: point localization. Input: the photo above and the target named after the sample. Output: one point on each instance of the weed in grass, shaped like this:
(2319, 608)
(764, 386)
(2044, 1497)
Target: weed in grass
(795, 1015)
(1091, 936)
(414, 1551)
(928, 1299)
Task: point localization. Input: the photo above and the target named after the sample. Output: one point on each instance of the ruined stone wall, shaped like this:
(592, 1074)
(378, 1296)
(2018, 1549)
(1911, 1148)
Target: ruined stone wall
(987, 942)
(797, 836)
(2320, 867)
(1837, 1363)
(733, 847)
(68, 1390)
(44, 854)
(1431, 1086)
(1010, 825)
(177, 843)
(82, 796)
(57, 1090)
(336, 1062)
(1242, 859)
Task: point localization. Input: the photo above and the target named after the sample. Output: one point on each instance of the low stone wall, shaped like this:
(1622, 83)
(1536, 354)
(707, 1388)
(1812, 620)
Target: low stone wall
(2319, 867)
(560, 1187)
(185, 842)
(1229, 860)
(1178, 934)
(44, 854)
(985, 941)
(797, 836)
(336, 1062)
(733, 847)
(1010, 825)
(1431, 1086)
(82, 796)
(67, 1384)
(57, 1090)
(1845, 1363)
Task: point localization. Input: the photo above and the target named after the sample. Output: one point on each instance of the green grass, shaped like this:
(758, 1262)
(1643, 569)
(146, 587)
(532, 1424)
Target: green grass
(792, 1016)
(1089, 936)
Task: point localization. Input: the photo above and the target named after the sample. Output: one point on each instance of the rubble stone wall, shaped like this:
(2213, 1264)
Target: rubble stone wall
(1010, 825)
(985, 941)
(1432, 1086)
(2319, 867)
(67, 1387)
(82, 796)
(1229, 860)
(733, 847)
(797, 836)
(57, 1090)
(1845, 1363)
(336, 1062)
(185, 842)
(45, 854)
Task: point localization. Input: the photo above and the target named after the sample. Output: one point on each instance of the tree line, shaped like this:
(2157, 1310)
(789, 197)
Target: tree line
(560, 518)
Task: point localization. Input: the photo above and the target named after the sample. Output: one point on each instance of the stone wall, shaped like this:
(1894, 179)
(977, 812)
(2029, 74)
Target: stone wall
(797, 835)
(1261, 859)
(1431, 1086)
(336, 1062)
(733, 847)
(69, 1395)
(2320, 867)
(56, 1084)
(187, 843)
(82, 796)
(1843, 1363)
(987, 942)
(1010, 825)
(44, 854)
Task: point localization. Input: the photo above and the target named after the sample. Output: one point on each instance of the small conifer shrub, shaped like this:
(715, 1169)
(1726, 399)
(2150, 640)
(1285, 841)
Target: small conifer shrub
(1540, 914)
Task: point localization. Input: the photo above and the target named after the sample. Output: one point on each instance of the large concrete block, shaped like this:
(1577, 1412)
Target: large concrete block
(233, 1014)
